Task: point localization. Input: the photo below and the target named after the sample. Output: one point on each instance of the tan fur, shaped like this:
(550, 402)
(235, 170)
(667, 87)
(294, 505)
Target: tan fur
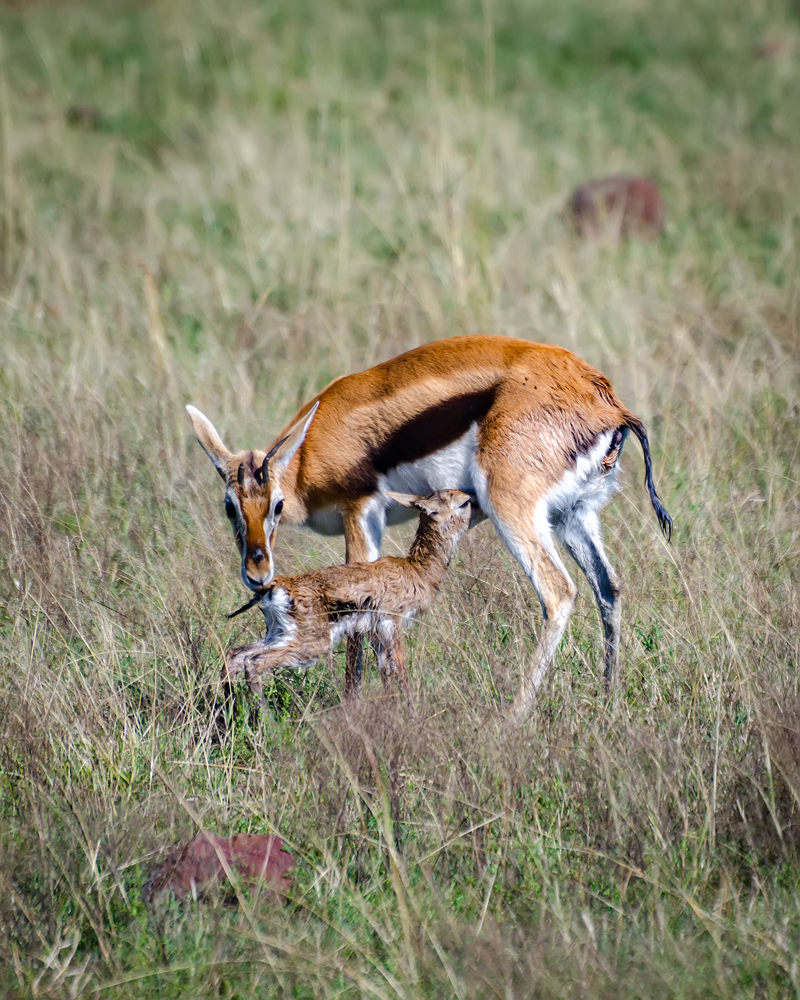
(372, 597)
(535, 411)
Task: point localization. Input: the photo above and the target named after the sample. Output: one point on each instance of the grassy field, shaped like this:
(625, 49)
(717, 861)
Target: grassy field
(229, 204)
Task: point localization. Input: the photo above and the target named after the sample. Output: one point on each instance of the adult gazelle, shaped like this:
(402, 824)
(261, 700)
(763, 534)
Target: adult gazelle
(530, 430)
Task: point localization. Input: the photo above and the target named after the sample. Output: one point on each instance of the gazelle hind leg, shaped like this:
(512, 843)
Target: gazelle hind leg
(580, 533)
(387, 641)
(354, 665)
(534, 549)
(382, 658)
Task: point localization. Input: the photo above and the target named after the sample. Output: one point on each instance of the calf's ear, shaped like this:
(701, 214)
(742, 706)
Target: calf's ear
(425, 504)
(404, 499)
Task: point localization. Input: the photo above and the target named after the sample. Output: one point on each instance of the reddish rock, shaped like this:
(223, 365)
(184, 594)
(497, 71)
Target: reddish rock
(628, 206)
(254, 857)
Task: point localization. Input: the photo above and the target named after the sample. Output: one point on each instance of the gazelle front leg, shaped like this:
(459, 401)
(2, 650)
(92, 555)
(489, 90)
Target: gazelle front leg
(241, 661)
(237, 660)
(265, 657)
(256, 685)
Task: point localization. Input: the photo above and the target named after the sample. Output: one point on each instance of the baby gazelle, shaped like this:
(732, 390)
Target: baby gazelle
(308, 613)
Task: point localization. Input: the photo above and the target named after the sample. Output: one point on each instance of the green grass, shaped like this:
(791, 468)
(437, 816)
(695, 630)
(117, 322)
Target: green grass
(231, 204)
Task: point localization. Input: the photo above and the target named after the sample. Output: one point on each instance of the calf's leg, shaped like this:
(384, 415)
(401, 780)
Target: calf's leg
(364, 523)
(387, 641)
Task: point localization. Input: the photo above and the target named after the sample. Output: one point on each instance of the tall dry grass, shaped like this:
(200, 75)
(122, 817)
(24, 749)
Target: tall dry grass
(232, 206)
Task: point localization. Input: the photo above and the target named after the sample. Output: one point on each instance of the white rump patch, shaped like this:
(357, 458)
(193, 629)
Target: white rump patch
(576, 499)
(572, 506)
(587, 487)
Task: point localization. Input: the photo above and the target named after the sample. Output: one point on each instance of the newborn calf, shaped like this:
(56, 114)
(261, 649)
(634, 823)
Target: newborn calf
(308, 613)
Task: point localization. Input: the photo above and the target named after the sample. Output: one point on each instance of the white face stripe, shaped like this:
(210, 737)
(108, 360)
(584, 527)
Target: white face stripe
(270, 521)
(232, 499)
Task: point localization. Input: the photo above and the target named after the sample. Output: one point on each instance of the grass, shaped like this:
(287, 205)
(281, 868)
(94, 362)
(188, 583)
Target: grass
(232, 204)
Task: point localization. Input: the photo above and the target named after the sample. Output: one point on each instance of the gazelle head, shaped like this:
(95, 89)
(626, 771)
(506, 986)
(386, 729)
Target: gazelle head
(445, 513)
(253, 495)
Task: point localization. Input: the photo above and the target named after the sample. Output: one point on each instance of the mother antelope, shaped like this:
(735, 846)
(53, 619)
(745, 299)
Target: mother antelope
(530, 429)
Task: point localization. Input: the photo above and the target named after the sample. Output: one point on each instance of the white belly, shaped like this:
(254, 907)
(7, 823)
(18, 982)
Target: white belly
(327, 521)
(450, 468)
(362, 622)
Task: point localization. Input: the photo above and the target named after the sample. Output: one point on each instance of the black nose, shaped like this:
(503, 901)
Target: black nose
(257, 556)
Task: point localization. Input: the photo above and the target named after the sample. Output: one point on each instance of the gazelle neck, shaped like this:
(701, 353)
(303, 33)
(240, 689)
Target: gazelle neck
(431, 551)
(295, 501)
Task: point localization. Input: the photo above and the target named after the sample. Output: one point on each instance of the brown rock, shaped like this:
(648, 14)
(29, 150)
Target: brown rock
(626, 206)
(254, 857)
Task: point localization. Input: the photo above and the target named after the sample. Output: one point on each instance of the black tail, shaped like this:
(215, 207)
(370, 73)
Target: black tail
(664, 520)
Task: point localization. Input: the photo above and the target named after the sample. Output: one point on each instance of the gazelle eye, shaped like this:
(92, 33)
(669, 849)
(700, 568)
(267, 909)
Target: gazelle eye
(278, 508)
(230, 510)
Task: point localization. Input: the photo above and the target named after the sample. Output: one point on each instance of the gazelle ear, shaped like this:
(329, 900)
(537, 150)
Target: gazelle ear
(210, 441)
(284, 451)
(404, 499)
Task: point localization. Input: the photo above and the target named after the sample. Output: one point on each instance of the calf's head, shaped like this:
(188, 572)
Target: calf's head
(254, 496)
(445, 515)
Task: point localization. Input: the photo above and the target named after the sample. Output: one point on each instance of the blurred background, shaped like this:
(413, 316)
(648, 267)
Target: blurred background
(230, 204)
